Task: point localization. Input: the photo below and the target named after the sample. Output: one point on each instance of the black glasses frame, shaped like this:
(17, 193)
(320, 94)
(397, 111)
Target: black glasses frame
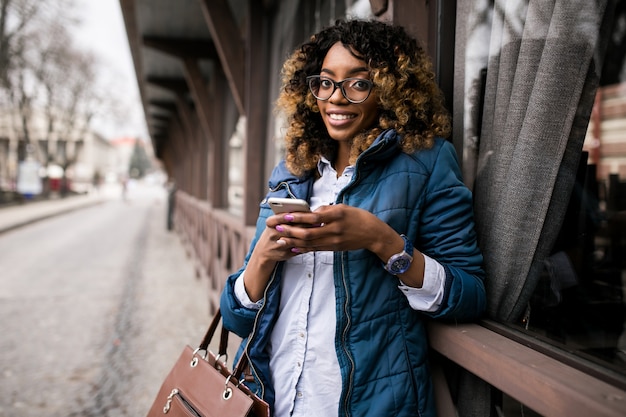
(338, 84)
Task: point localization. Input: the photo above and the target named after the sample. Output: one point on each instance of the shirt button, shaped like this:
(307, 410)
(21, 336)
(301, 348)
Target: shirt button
(301, 335)
(309, 275)
(299, 394)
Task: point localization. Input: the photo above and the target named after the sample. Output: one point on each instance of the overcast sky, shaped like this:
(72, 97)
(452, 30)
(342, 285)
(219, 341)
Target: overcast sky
(102, 31)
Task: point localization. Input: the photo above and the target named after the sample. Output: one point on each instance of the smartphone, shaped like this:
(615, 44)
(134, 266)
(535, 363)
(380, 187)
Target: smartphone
(288, 205)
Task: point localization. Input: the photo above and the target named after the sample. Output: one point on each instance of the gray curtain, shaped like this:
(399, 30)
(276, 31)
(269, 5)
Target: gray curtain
(527, 71)
(540, 87)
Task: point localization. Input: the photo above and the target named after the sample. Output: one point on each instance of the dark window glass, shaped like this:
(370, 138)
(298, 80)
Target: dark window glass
(579, 303)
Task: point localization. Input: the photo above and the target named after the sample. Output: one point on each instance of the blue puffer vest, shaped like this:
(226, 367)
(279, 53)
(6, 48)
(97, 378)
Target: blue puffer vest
(381, 342)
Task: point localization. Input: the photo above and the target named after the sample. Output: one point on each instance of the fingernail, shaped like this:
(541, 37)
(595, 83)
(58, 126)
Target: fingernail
(289, 217)
(295, 250)
(281, 242)
(280, 228)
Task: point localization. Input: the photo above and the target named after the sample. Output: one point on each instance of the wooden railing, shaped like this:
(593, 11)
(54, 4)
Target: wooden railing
(542, 383)
(215, 240)
(217, 243)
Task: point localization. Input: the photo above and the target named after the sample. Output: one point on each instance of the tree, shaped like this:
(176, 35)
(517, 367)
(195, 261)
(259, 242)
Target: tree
(15, 18)
(139, 161)
(31, 34)
(47, 84)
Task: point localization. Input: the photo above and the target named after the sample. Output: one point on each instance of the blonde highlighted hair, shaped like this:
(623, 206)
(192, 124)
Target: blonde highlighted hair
(409, 99)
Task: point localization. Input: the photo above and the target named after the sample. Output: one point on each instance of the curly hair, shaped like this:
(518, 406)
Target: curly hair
(409, 99)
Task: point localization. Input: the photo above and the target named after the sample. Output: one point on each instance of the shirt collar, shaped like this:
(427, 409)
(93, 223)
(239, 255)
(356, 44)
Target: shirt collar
(324, 163)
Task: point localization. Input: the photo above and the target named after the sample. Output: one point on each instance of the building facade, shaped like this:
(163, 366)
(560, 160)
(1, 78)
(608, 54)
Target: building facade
(68, 162)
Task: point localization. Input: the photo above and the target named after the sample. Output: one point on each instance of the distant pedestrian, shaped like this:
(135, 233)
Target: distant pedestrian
(125, 189)
(97, 181)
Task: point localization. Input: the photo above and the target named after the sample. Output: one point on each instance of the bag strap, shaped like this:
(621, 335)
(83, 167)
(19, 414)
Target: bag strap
(204, 345)
(241, 371)
(206, 341)
(242, 364)
(223, 342)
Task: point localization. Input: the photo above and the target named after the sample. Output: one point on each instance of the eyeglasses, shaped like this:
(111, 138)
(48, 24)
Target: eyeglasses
(355, 90)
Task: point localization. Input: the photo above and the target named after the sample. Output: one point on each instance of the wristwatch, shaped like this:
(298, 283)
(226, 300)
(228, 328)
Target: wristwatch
(401, 262)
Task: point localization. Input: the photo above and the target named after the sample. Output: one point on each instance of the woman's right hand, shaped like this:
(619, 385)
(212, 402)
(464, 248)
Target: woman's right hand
(268, 251)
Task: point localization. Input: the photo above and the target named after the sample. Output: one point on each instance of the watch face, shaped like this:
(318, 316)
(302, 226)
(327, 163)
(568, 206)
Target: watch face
(400, 264)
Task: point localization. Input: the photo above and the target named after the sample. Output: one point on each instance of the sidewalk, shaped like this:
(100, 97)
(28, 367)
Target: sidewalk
(136, 307)
(19, 215)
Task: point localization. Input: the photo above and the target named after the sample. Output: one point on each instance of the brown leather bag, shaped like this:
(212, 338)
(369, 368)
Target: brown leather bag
(201, 385)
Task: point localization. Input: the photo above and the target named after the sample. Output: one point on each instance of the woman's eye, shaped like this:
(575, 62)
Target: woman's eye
(326, 83)
(361, 85)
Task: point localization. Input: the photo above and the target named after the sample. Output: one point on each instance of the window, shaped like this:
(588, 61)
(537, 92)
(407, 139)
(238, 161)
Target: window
(521, 122)
(579, 303)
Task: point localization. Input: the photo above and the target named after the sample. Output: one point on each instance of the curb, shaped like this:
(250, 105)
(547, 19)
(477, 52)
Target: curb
(52, 212)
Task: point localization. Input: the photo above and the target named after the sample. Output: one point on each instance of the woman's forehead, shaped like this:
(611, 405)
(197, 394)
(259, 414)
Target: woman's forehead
(342, 56)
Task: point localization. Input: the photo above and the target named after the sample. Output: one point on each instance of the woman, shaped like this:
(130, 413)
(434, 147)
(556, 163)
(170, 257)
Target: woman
(332, 303)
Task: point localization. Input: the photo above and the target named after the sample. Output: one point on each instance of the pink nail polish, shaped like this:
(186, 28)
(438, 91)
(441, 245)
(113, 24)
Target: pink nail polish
(280, 228)
(288, 217)
(295, 250)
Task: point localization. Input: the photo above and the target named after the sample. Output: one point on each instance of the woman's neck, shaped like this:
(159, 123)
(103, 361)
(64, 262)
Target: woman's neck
(342, 159)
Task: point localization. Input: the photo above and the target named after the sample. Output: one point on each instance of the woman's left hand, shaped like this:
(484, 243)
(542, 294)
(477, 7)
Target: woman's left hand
(335, 228)
(343, 228)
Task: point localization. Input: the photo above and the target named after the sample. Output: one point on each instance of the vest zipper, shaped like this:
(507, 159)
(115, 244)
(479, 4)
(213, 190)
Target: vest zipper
(344, 343)
(346, 307)
(252, 334)
(279, 186)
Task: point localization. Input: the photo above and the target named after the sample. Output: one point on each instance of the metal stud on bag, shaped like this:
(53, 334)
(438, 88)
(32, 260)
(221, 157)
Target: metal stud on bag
(228, 391)
(218, 366)
(194, 361)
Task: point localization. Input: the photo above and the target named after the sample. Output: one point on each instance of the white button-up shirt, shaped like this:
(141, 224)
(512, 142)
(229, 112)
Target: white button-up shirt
(303, 362)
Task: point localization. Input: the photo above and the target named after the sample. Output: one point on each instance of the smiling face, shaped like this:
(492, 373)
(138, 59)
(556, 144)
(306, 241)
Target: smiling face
(343, 119)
